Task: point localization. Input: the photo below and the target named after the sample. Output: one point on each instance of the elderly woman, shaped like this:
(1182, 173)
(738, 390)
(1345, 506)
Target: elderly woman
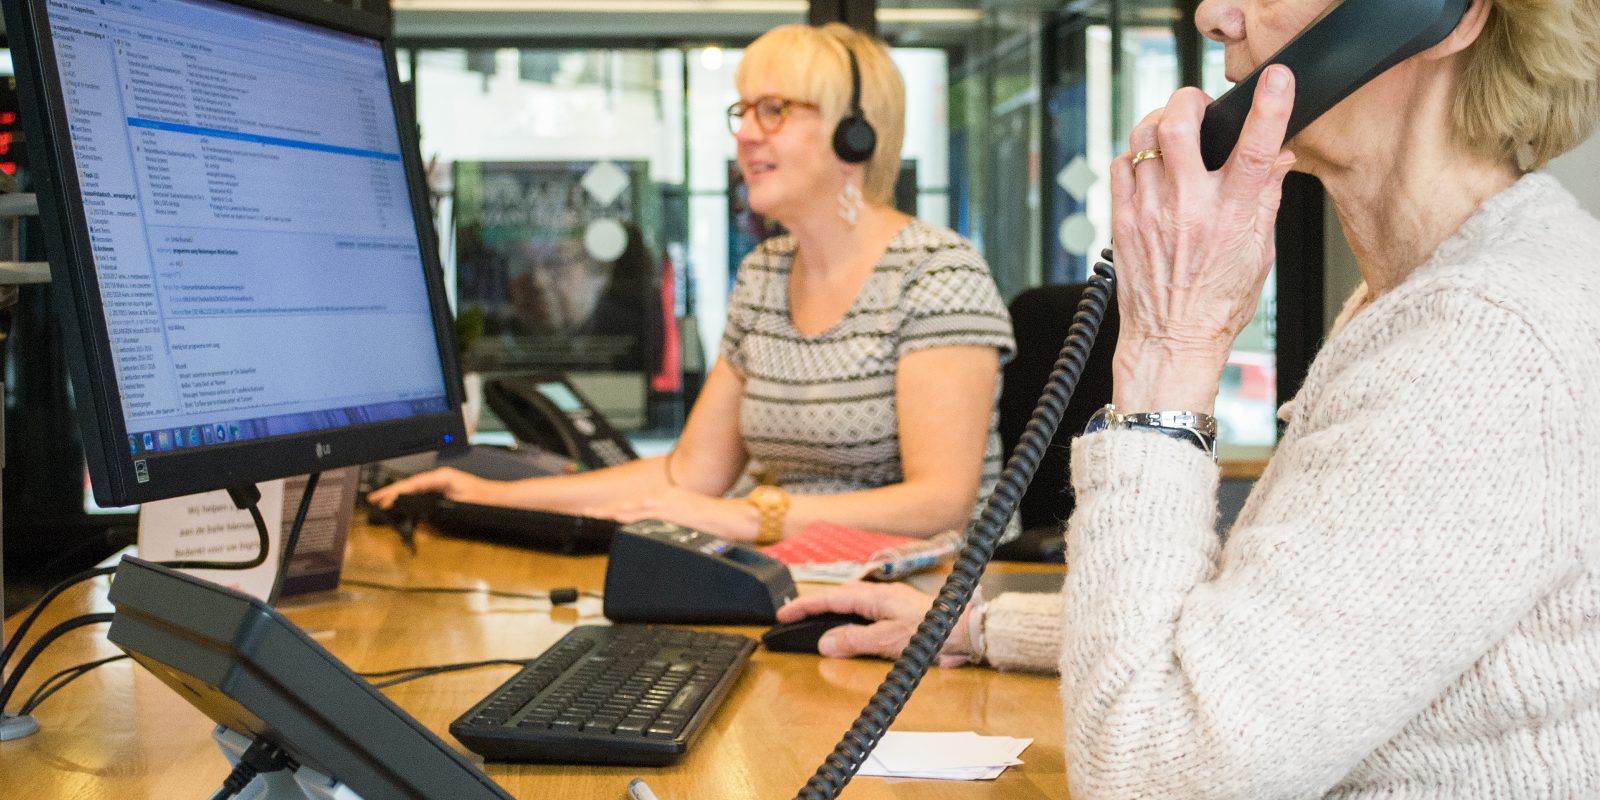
(1409, 604)
(859, 369)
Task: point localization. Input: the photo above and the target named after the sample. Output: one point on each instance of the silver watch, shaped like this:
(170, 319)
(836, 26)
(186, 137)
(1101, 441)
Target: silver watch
(1195, 428)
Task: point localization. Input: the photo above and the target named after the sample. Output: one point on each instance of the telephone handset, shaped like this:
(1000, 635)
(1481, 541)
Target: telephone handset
(545, 410)
(1347, 46)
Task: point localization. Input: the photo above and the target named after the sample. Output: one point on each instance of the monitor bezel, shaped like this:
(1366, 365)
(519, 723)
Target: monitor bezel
(98, 401)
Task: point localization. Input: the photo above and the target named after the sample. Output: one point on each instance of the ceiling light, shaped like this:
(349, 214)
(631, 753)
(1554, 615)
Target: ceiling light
(930, 15)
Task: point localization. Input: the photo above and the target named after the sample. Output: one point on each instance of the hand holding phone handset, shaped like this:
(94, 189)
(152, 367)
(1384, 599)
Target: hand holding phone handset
(1361, 40)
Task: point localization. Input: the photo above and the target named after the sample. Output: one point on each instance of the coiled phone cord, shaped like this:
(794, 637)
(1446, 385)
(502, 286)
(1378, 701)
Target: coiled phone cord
(885, 705)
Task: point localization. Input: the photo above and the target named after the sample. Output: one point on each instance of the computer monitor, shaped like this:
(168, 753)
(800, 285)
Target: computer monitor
(233, 200)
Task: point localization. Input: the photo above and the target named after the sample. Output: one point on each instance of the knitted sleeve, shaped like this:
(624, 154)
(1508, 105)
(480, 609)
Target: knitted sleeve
(1022, 632)
(1422, 502)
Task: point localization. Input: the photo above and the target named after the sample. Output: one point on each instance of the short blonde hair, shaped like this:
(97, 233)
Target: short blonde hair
(1531, 86)
(810, 63)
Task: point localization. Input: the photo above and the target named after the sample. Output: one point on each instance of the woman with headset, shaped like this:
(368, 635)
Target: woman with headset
(859, 367)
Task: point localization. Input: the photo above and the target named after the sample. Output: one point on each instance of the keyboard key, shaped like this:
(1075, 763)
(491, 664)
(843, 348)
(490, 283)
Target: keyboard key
(688, 699)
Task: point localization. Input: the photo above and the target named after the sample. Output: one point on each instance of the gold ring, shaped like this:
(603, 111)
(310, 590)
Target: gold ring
(1145, 155)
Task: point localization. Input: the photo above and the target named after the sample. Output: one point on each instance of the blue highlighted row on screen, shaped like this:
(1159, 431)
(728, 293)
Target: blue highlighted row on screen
(173, 127)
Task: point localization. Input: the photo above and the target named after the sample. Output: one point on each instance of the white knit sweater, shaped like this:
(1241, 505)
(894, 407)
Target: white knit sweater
(1409, 603)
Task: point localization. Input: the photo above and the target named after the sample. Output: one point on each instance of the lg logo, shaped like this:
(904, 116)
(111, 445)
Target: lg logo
(324, 450)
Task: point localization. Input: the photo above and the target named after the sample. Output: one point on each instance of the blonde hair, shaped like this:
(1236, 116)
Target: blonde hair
(811, 64)
(1531, 85)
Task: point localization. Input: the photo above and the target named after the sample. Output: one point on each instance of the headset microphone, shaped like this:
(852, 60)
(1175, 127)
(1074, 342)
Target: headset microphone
(854, 139)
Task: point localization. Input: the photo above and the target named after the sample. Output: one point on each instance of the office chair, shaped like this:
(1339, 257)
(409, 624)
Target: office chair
(1040, 318)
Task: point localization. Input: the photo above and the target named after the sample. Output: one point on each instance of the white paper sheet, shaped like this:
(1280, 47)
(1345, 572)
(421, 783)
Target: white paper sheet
(958, 755)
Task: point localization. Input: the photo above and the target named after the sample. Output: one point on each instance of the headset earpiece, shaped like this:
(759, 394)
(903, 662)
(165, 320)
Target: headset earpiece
(854, 139)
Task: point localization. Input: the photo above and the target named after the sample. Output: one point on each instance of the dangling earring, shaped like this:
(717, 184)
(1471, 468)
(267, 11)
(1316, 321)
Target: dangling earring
(850, 204)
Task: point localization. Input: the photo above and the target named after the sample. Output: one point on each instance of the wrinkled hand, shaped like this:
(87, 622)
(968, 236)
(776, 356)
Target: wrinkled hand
(727, 518)
(897, 608)
(1193, 248)
(448, 481)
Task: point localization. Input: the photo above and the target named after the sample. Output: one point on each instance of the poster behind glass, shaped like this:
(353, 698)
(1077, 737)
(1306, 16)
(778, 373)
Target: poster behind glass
(551, 257)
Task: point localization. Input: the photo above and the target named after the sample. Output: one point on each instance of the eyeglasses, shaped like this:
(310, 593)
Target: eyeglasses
(771, 113)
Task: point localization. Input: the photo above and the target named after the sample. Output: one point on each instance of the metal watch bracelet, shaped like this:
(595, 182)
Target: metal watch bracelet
(1189, 426)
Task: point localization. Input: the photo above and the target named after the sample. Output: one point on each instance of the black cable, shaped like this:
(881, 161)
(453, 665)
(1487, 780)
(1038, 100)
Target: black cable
(39, 646)
(240, 777)
(66, 676)
(291, 540)
(245, 498)
(38, 608)
(87, 575)
(561, 596)
(413, 673)
(885, 705)
(260, 757)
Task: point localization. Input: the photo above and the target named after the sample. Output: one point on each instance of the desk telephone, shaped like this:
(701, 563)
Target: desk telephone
(1348, 45)
(545, 410)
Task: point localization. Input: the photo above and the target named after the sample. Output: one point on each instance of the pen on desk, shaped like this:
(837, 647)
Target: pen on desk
(899, 568)
(896, 563)
(639, 790)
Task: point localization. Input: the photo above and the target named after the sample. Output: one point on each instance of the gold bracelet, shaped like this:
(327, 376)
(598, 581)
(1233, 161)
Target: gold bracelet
(771, 503)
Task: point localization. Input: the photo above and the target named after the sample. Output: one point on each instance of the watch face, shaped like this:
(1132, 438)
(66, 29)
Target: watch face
(767, 496)
(1106, 417)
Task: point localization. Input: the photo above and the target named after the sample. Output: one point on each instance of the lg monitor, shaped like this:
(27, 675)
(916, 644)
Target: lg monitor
(231, 197)
(232, 200)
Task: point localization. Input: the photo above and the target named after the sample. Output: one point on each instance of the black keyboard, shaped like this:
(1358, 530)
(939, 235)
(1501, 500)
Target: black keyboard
(568, 534)
(608, 694)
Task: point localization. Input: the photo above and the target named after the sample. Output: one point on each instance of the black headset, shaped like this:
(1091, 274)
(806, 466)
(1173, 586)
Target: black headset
(854, 139)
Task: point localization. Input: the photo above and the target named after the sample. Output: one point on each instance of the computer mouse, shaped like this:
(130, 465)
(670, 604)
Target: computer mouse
(801, 635)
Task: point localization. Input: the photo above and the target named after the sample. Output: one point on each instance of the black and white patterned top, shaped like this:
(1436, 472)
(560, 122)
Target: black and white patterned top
(819, 411)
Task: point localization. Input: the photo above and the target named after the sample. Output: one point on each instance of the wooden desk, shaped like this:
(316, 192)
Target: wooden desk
(120, 733)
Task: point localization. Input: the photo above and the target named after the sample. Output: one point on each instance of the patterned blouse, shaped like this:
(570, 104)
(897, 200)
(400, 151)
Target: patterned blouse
(818, 413)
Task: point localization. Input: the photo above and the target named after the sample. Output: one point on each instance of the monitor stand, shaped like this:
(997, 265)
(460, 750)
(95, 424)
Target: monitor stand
(302, 784)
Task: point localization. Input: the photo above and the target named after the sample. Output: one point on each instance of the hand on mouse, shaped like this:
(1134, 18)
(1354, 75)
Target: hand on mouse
(454, 484)
(898, 609)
